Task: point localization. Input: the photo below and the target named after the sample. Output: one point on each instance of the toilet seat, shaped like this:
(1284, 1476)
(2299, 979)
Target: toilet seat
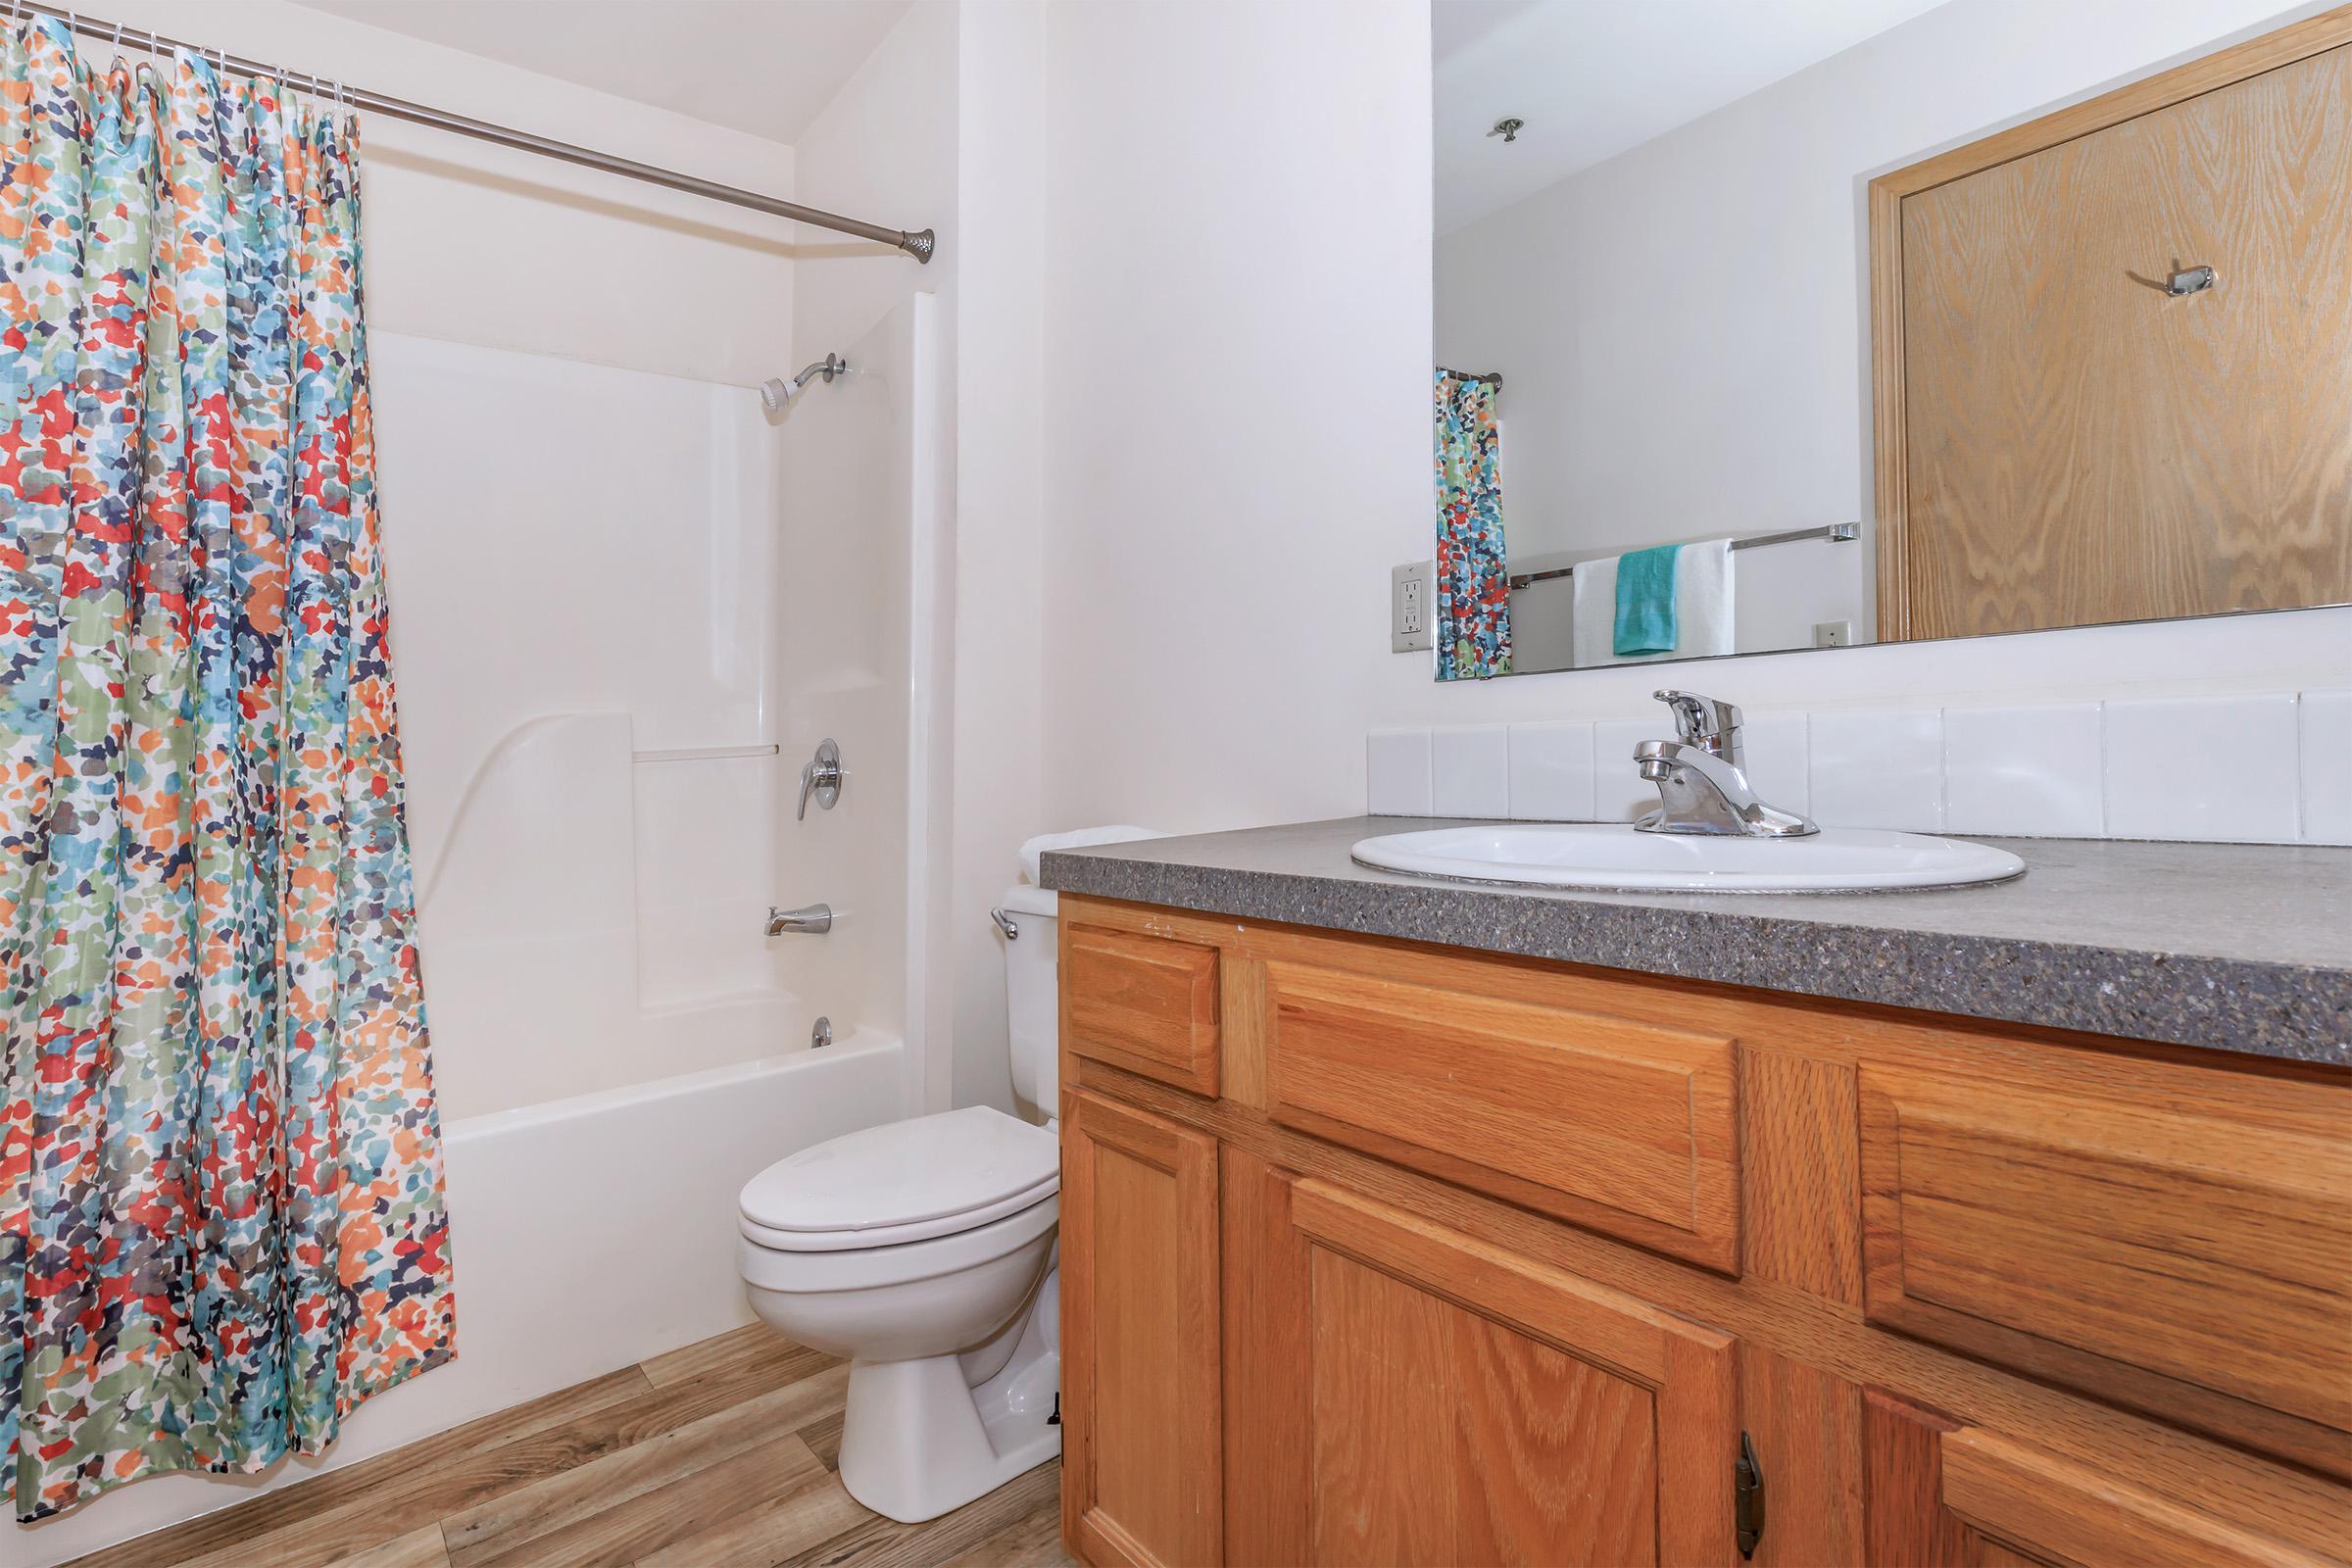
(906, 1181)
(804, 1271)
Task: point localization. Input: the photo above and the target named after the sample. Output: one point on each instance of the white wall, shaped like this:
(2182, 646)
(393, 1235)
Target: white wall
(883, 150)
(1000, 463)
(1237, 400)
(1238, 342)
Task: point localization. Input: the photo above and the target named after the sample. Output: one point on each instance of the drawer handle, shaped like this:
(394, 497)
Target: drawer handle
(1747, 1491)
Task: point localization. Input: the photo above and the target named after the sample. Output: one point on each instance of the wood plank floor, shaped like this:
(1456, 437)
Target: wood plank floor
(718, 1455)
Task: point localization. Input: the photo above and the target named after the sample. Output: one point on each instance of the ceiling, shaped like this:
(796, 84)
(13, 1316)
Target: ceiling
(765, 67)
(1594, 78)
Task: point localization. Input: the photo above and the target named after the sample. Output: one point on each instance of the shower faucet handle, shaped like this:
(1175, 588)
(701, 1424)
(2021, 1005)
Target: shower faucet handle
(820, 776)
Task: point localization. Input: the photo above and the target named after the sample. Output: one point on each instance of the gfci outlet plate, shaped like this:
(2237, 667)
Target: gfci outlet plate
(1410, 610)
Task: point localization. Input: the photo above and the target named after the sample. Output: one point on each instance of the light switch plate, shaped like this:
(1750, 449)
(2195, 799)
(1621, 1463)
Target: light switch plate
(1410, 610)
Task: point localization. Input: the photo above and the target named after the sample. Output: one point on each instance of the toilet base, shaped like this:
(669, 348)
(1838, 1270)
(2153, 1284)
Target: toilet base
(917, 1440)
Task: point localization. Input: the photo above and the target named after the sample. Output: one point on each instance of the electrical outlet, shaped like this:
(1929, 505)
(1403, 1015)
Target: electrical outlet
(1833, 634)
(1409, 608)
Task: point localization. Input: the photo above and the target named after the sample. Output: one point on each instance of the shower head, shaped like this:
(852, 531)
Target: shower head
(775, 392)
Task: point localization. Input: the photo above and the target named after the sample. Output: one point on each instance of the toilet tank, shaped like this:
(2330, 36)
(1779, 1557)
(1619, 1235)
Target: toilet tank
(1032, 1002)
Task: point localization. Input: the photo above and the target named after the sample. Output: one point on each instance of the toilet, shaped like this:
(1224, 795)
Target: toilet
(922, 1252)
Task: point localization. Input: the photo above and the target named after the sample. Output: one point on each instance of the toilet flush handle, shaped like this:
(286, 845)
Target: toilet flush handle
(1005, 923)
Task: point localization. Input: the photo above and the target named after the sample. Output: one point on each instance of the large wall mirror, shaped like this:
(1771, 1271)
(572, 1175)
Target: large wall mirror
(1726, 363)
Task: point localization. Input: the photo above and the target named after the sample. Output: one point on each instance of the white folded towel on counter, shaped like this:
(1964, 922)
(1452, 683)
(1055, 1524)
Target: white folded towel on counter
(1034, 849)
(1702, 607)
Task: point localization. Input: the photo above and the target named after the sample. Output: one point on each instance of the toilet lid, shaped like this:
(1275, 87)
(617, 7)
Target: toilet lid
(903, 1181)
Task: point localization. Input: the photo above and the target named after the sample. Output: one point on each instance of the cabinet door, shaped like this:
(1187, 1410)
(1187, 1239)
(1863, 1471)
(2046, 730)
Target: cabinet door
(1139, 1338)
(1938, 1494)
(1398, 1393)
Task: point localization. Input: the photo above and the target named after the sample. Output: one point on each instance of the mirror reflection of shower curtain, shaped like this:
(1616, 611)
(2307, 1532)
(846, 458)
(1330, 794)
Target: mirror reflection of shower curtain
(1473, 591)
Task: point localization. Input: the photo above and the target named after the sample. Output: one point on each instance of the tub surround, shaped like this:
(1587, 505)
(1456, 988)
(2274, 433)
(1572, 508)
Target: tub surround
(2238, 948)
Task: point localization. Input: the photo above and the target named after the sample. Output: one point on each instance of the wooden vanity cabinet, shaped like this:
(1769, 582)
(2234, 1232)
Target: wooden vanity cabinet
(1403, 1394)
(1141, 1326)
(1385, 1253)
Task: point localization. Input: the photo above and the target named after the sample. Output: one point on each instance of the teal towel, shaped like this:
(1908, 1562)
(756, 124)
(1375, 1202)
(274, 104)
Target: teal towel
(1645, 600)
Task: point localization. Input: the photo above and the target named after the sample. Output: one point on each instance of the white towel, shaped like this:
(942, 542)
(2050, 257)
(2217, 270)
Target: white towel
(1593, 626)
(1702, 607)
(1034, 850)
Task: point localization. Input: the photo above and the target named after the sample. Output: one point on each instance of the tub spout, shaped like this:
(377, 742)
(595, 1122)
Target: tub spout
(814, 919)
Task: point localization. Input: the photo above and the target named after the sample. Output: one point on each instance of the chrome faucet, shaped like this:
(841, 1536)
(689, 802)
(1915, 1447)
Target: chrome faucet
(1701, 785)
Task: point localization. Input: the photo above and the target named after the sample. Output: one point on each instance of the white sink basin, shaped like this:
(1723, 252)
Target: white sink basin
(1602, 856)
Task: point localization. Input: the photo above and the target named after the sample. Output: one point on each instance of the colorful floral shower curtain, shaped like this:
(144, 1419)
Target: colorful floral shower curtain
(221, 1221)
(1474, 597)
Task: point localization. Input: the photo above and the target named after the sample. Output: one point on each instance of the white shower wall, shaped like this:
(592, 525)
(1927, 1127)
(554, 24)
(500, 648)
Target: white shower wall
(582, 561)
(613, 656)
(855, 558)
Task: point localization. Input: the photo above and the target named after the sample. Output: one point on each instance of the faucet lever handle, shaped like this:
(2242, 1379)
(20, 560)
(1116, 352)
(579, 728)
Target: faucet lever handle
(1704, 721)
(820, 776)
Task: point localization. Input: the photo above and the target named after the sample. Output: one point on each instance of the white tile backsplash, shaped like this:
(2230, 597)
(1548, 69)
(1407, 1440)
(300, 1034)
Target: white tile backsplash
(1774, 751)
(2202, 767)
(1551, 769)
(2266, 768)
(1619, 794)
(1881, 768)
(2327, 771)
(2032, 772)
(1471, 772)
(1397, 769)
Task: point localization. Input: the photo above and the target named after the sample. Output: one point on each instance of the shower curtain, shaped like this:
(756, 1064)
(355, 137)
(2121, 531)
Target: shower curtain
(221, 1221)
(1474, 597)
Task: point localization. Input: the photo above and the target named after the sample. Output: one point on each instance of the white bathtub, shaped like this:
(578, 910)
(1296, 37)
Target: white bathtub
(587, 1234)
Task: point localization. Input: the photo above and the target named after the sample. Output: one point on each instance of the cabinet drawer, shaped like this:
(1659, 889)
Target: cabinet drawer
(1936, 1492)
(1623, 1126)
(2173, 1238)
(1147, 1003)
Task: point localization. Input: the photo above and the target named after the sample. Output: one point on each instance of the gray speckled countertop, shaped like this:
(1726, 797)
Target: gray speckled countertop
(2243, 947)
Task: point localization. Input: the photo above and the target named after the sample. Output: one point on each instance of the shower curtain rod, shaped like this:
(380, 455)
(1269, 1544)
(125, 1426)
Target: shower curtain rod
(919, 244)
